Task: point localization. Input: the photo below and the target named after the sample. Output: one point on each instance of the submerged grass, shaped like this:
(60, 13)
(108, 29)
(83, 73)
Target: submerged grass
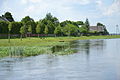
(36, 46)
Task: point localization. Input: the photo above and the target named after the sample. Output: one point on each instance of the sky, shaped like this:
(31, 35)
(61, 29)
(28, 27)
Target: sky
(104, 11)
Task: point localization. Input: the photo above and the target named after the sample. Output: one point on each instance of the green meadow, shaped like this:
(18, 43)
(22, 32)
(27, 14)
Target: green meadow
(35, 46)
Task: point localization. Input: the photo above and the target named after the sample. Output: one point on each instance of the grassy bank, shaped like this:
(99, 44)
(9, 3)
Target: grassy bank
(36, 46)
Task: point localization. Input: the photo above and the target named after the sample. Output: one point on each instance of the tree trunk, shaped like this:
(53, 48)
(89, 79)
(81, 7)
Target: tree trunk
(38, 35)
(55, 35)
(21, 37)
(29, 36)
(9, 37)
(26, 35)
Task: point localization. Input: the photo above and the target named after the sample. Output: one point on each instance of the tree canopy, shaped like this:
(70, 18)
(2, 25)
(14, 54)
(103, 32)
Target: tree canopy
(8, 16)
(48, 25)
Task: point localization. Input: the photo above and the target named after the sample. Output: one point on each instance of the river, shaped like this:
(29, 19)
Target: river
(93, 60)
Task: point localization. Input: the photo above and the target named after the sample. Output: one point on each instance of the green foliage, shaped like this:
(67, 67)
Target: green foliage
(83, 29)
(79, 23)
(15, 27)
(58, 30)
(70, 29)
(100, 24)
(46, 31)
(105, 30)
(49, 21)
(22, 30)
(87, 25)
(30, 28)
(27, 21)
(38, 28)
(10, 26)
(47, 25)
(3, 27)
(8, 16)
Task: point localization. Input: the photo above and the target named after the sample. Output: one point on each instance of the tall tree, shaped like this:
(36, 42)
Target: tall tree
(87, 25)
(51, 22)
(8, 16)
(38, 29)
(28, 21)
(29, 29)
(9, 28)
(22, 31)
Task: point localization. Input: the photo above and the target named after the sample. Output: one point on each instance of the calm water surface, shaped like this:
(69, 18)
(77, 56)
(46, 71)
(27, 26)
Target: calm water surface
(94, 60)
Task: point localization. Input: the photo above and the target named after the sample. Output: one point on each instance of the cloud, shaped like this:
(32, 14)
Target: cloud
(99, 3)
(82, 2)
(114, 8)
(95, 10)
(63, 9)
(30, 1)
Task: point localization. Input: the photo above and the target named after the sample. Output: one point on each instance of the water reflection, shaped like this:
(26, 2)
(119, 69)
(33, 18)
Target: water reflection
(58, 48)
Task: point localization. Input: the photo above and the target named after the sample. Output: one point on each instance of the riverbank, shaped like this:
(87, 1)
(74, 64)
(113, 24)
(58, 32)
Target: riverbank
(36, 46)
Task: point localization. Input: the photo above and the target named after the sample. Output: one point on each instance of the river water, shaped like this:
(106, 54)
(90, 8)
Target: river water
(93, 60)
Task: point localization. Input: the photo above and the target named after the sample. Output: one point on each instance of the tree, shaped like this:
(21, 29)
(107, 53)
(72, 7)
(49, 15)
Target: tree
(51, 22)
(48, 16)
(105, 32)
(3, 27)
(79, 23)
(46, 30)
(22, 31)
(87, 25)
(29, 29)
(28, 21)
(100, 24)
(38, 29)
(16, 27)
(58, 30)
(9, 28)
(8, 16)
(83, 30)
(70, 29)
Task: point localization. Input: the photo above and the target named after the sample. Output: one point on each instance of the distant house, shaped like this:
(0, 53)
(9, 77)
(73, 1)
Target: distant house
(96, 28)
(3, 18)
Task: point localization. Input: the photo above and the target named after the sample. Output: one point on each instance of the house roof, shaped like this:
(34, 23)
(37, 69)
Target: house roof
(96, 28)
(3, 18)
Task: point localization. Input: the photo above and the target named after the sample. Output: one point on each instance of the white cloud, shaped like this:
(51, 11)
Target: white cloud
(114, 8)
(82, 2)
(110, 10)
(30, 1)
(63, 8)
(99, 3)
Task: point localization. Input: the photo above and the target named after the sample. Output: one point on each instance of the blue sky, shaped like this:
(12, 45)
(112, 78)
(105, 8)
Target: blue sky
(104, 11)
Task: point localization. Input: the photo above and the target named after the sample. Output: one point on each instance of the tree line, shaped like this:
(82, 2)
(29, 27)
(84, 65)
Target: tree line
(47, 25)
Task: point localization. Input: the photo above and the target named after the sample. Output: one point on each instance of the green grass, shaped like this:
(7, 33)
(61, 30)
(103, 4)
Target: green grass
(36, 46)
